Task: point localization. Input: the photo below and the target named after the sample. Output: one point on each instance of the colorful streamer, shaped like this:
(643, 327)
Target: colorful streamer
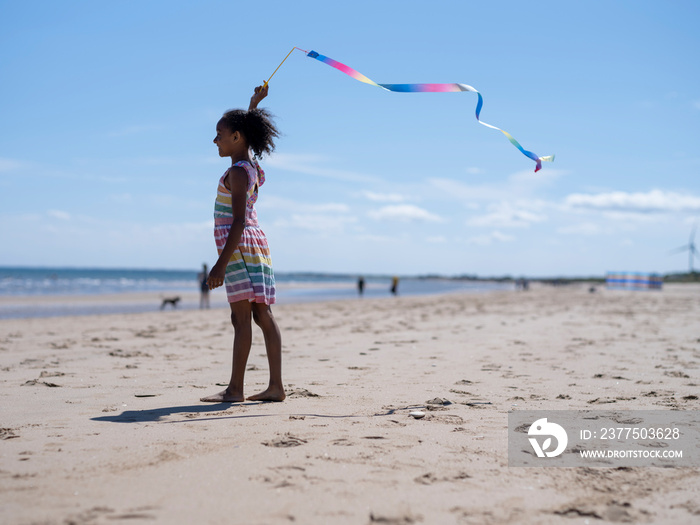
(426, 88)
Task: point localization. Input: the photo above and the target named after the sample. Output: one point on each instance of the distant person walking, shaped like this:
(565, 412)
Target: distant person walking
(244, 266)
(395, 285)
(203, 287)
(361, 286)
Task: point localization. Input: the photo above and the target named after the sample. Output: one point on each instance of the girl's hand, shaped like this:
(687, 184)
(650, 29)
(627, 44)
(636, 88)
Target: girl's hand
(216, 276)
(260, 93)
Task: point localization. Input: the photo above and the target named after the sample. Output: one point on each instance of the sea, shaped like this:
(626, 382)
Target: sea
(38, 292)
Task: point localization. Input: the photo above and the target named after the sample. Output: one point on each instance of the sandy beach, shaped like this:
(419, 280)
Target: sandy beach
(101, 419)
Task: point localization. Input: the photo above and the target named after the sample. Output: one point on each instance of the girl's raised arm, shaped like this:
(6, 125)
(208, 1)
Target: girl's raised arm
(260, 93)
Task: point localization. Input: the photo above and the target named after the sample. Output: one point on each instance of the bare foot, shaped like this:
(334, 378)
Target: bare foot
(224, 397)
(271, 394)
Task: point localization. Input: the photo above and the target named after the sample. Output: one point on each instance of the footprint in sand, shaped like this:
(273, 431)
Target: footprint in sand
(35, 382)
(45, 373)
(429, 478)
(612, 511)
(450, 419)
(95, 513)
(8, 433)
(342, 442)
(62, 346)
(601, 401)
(375, 517)
(122, 353)
(285, 441)
(302, 392)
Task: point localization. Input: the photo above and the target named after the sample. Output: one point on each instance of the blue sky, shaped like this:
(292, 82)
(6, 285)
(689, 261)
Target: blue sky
(108, 110)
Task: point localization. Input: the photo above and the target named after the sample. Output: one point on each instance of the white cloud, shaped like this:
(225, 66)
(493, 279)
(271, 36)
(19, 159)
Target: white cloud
(517, 186)
(490, 238)
(318, 223)
(633, 218)
(380, 239)
(696, 104)
(504, 215)
(58, 214)
(173, 230)
(273, 202)
(315, 165)
(324, 217)
(10, 164)
(384, 197)
(655, 201)
(98, 241)
(122, 198)
(438, 239)
(585, 228)
(466, 193)
(404, 212)
(329, 207)
(498, 236)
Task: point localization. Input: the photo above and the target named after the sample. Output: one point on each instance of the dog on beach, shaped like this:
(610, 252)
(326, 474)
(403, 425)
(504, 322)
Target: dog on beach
(169, 301)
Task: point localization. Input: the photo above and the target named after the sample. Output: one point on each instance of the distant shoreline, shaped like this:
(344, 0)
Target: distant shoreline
(56, 305)
(49, 292)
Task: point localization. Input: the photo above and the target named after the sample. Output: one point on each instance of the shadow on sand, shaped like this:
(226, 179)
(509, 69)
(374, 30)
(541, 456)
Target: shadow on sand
(215, 411)
(155, 414)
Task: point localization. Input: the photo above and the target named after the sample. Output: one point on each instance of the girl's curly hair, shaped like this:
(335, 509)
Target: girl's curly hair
(256, 125)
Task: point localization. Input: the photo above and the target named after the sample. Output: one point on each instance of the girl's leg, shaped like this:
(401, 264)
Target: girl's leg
(242, 339)
(262, 314)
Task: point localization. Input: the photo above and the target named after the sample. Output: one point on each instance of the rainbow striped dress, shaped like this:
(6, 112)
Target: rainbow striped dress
(249, 274)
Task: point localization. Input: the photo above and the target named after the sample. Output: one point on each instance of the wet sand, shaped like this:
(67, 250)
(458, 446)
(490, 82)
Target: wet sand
(101, 419)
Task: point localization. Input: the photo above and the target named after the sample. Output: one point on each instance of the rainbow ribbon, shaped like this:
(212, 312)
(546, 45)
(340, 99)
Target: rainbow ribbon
(427, 88)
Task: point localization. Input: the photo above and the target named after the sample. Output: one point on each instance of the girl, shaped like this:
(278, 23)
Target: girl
(244, 264)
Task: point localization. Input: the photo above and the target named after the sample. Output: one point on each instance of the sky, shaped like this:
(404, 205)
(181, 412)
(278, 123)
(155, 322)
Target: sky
(108, 113)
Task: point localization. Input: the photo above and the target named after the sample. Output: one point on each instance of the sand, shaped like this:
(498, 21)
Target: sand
(101, 419)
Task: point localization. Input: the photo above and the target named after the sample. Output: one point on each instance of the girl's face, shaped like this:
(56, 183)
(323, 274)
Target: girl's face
(228, 142)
